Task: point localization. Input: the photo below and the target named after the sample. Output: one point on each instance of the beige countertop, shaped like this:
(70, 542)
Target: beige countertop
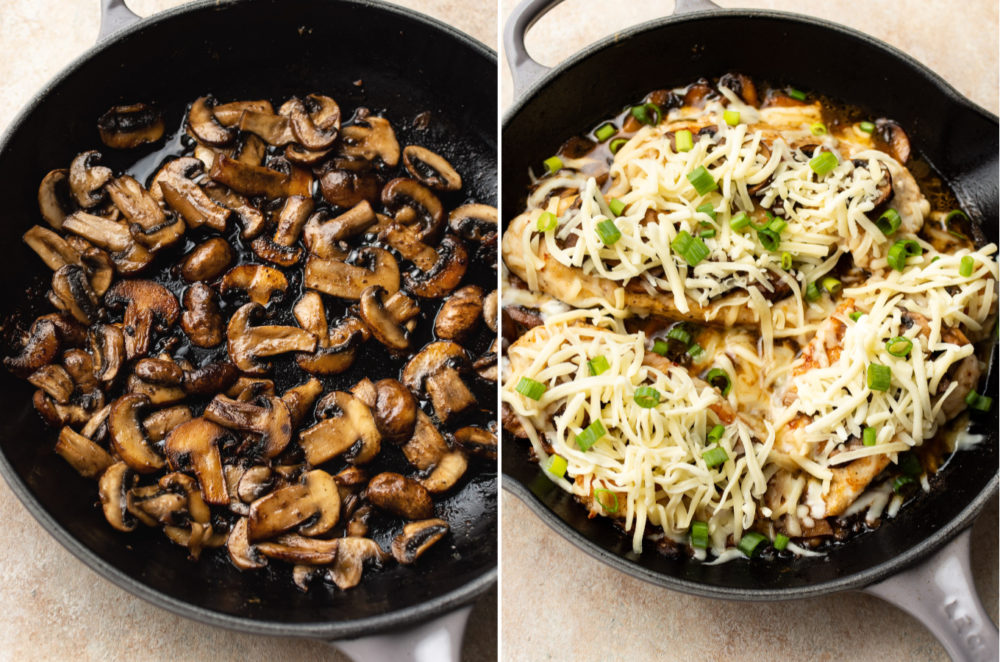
(559, 603)
(52, 607)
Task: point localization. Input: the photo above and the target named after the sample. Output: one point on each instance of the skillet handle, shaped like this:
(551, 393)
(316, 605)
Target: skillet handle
(525, 69)
(940, 594)
(115, 15)
(439, 640)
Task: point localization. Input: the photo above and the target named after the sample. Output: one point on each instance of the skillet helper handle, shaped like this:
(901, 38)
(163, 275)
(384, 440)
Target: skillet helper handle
(439, 640)
(940, 594)
(525, 69)
(115, 15)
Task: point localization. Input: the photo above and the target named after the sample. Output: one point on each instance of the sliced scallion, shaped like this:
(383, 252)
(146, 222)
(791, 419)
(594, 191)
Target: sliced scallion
(715, 434)
(719, 378)
(529, 388)
(708, 209)
(605, 131)
(786, 261)
(647, 113)
(901, 251)
(616, 144)
(547, 221)
(856, 315)
(714, 457)
(679, 333)
(899, 482)
(599, 496)
(889, 221)
(798, 95)
(751, 543)
(699, 534)
(780, 542)
(556, 466)
(823, 163)
(769, 239)
(739, 222)
(831, 285)
(978, 402)
(869, 436)
(684, 141)
(954, 217)
(590, 435)
(616, 206)
(879, 377)
(867, 127)
(818, 129)
(553, 164)
(598, 365)
(910, 465)
(707, 233)
(732, 117)
(660, 347)
(899, 346)
(966, 266)
(646, 397)
(702, 180)
(812, 292)
(608, 232)
(692, 249)
(695, 351)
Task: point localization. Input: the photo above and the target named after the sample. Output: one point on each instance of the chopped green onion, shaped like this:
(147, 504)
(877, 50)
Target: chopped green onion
(823, 163)
(529, 388)
(708, 209)
(909, 464)
(879, 377)
(831, 285)
(646, 397)
(660, 347)
(899, 482)
(699, 534)
(707, 233)
(751, 542)
(900, 251)
(679, 333)
(818, 129)
(547, 221)
(739, 222)
(714, 457)
(616, 206)
(553, 164)
(769, 239)
(935, 259)
(952, 215)
(715, 434)
(556, 466)
(869, 436)
(719, 378)
(798, 95)
(598, 365)
(966, 266)
(647, 113)
(786, 261)
(812, 292)
(776, 224)
(702, 180)
(856, 315)
(599, 493)
(590, 435)
(979, 402)
(695, 351)
(608, 232)
(692, 249)
(605, 131)
(684, 140)
(780, 542)
(899, 346)
(867, 127)
(889, 221)
(616, 144)
(732, 117)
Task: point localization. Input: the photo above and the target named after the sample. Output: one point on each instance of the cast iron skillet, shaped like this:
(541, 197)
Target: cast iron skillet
(958, 138)
(243, 50)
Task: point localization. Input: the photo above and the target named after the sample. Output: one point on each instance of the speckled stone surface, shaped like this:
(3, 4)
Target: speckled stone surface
(52, 607)
(560, 604)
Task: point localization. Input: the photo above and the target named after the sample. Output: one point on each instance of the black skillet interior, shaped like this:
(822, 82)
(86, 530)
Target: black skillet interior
(245, 50)
(958, 139)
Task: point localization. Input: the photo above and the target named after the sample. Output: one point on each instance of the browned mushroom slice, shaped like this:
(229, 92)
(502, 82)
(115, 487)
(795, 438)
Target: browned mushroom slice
(292, 218)
(426, 447)
(72, 293)
(312, 504)
(352, 556)
(299, 399)
(459, 314)
(207, 261)
(159, 424)
(304, 157)
(266, 249)
(298, 549)
(158, 394)
(40, 348)
(346, 188)
(432, 169)
(125, 127)
(251, 150)
(54, 380)
(336, 347)
(128, 255)
(340, 278)
(113, 486)
(148, 307)
(195, 444)
(246, 389)
(412, 203)
(383, 324)
(175, 185)
(445, 275)
(107, 346)
(273, 129)
(255, 483)
(254, 180)
(96, 428)
(148, 223)
(490, 310)
(243, 555)
(352, 432)
(154, 505)
(477, 441)
(258, 280)
(400, 496)
(253, 219)
(202, 122)
(163, 371)
(55, 251)
(128, 436)
(322, 235)
(58, 415)
(474, 222)
(80, 367)
(201, 319)
(247, 344)
(97, 263)
(743, 86)
(486, 365)
(315, 121)
(392, 405)
(311, 315)
(196, 538)
(436, 371)
(446, 472)
(87, 179)
(89, 459)
(417, 538)
(267, 417)
(210, 378)
(371, 138)
(54, 197)
(895, 139)
(228, 114)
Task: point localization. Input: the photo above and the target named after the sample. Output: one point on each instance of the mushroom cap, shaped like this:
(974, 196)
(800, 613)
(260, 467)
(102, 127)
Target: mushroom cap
(447, 273)
(204, 126)
(202, 319)
(128, 126)
(259, 281)
(246, 343)
(41, 348)
(112, 488)
(351, 432)
(128, 436)
(54, 197)
(376, 140)
(429, 360)
(460, 313)
(243, 555)
(400, 496)
(431, 169)
(408, 201)
(208, 259)
(196, 444)
(147, 296)
(341, 279)
(267, 416)
(382, 324)
(475, 222)
(417, 538)
(315, 497)
(87, 180)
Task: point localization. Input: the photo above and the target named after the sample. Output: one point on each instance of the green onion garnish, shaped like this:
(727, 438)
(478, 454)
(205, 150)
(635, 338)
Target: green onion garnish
(966, 266)
(647, 113)
(553, 164)
(714, 457)
(660, 347)
(879, 377)
(732, 117)
(823, 163)
(869, 436)
(616, 144)
(900, 251)
(684, 140)
(646, 397)
(899, 482)
(707, 233)
(692, 249)
(953, 215)
(739, 222)
(719, 378)
(856, 315)
(979, 402)
(529, 388)
(776, 224)
(798, 95)
(616, 206)
(715, 434)
(699, 534)
(751, 543)
(708, 209)
(780, 542)
(598, 365)
(605, 131)
(702, 180)
(867, 127)
(899, 346)
(680, 333)
(599, 493)
(812, 292)
(556, 466)
(831, 285)
(909, 464)
(608, 232)
(695, 351)
(818, 129)
(547, 221)
(769, 239)
(590, 435)
(786, 261)
(889, 221)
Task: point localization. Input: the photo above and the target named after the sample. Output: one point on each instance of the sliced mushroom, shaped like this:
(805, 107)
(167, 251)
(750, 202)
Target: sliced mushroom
(80, 367)
(459, 314)
(202, 319)
(298, 549)
(477, 441)
(97, 263)
(292, 218)
(228, 114)
(159, 424)
(417, 538)
(89, 459)
(351, 432)
(313, 504)
(445, 275)
(436, 370)
(195, 445)
(266, 249)
(113, 485)
(202, 122)
(247, 344)
(400, 496)
(246, 389)
(72, 292)
(299, 400)
(432, 169)
(347, 188)
(153, 505)
(40, 348)
(87, 179)
(340, 278)
(210, 378)
(55, 251)
(412, 203)
(207, 261)
(893, 135)
(486, 365)
(128, 436)
(255, 180)
(243, 555)
(337, 346)
(273, 129)
(54, 197)
(426, 447)
(128, 255)
(258, 280)
(371, 138)
(57, 415)
(267, 417)
(107, 346)
(196, 538)
(490, 310)
(96, 428)
(148, 307)
(315, 122)
(395, 410)
(474, 222)
(310, 313)
(125, 127)
(446, 472)
(175, 185)
(149, 225)
(255, 483)
(54, 380)
(382, 323)
(322, 236)
(352, 556)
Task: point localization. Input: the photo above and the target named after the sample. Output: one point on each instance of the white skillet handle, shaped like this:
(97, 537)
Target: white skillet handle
(940, 594)
(439, 640)
(115, 15)
(524, 68)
